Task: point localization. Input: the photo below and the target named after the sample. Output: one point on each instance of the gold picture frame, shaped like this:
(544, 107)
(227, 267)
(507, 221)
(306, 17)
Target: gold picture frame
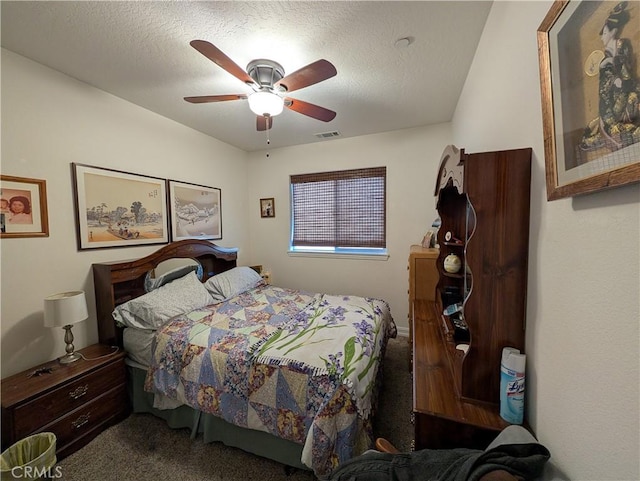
(24, 207)
(268, 207)
(590, 142)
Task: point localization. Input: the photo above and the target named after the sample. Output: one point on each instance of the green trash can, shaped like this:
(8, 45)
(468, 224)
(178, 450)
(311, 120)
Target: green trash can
(30, 458)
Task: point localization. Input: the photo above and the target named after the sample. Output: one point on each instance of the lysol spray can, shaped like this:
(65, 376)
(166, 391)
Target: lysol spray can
(512, 385)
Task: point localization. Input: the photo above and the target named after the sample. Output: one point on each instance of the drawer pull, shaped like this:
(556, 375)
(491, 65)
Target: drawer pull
(78, 392)
(81, 421)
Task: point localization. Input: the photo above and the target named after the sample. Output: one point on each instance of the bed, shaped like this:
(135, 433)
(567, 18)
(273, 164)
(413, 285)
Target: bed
(285, 374)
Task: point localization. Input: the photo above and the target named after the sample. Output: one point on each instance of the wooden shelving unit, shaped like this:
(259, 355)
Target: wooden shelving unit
(483, 201)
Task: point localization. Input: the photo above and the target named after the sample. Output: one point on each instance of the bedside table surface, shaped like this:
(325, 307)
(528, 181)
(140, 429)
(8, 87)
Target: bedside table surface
(21, 387)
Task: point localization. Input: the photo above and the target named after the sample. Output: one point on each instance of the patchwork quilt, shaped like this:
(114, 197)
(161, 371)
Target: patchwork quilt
(300, 366)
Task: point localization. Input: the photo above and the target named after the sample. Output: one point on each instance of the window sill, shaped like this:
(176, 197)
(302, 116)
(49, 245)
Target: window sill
(340, 255)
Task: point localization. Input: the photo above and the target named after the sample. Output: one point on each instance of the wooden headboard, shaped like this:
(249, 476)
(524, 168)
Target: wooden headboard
(118, 282)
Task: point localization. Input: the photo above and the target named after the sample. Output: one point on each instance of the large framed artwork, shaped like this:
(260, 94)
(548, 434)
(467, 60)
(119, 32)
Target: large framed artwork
(23, 204)
(119, 209)
(587, 52)
(196, 211)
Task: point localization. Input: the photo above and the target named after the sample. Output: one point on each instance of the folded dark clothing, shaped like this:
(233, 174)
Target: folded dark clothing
(522, 460)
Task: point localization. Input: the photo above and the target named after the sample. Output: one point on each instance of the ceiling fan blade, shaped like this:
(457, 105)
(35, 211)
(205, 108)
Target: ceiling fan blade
(311, 74)
(310, 110)
(216, 55)
(214, 98)
(264, 122)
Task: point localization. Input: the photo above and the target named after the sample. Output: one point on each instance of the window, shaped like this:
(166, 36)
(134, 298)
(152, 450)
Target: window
(339, 212)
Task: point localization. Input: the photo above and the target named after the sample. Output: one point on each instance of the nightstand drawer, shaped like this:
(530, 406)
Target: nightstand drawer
(45, 409)
(91, 415)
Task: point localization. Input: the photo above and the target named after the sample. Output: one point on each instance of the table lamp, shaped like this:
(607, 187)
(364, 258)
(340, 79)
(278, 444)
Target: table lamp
(63, 310)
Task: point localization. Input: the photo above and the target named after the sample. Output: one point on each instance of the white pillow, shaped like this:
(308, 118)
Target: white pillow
(230, 283)
(152, 310)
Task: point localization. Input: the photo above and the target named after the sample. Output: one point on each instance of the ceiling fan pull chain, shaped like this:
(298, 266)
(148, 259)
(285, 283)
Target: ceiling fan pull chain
(266, 118)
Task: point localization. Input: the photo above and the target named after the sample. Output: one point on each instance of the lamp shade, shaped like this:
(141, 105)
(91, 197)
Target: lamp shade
(65, 308)
(262, 103)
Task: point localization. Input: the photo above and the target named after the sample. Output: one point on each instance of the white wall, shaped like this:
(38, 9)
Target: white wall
(50, 120)
(583, 311)
(411, 156)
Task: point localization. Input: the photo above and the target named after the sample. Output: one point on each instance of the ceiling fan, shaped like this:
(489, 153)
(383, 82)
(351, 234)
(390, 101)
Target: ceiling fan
(269, 85)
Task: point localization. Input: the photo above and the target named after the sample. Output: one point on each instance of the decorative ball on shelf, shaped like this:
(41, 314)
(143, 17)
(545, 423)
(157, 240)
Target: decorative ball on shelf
(452, 263)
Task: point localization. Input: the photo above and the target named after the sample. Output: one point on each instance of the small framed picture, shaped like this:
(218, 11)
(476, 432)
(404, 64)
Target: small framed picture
(24, 207)
(267, 207)
(427, 240)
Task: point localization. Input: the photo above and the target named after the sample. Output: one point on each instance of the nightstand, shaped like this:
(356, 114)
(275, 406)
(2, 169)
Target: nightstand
(75, 401)
(266, 276)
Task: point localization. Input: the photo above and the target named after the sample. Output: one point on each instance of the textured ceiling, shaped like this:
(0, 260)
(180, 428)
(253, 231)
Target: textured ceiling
(140, 51)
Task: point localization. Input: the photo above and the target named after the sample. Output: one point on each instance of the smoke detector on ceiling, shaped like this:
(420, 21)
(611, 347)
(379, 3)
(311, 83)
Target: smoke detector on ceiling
(404, 42)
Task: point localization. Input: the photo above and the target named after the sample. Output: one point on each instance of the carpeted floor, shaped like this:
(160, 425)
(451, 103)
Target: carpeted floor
(144, 448)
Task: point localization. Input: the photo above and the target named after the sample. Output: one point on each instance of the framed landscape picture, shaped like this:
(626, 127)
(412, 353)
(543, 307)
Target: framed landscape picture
(119, 209)
(588, 51)
(23, 207)
(196, 211)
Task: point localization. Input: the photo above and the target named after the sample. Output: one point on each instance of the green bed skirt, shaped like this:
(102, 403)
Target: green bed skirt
(213, 428)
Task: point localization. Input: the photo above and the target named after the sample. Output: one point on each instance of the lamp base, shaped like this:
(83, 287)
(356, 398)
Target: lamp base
(69, 358)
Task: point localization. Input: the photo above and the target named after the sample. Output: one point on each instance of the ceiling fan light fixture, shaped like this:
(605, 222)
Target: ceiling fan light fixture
(266, 103)
(266, 79)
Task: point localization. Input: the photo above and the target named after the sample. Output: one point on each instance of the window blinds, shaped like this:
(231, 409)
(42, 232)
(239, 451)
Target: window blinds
(340, 209)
